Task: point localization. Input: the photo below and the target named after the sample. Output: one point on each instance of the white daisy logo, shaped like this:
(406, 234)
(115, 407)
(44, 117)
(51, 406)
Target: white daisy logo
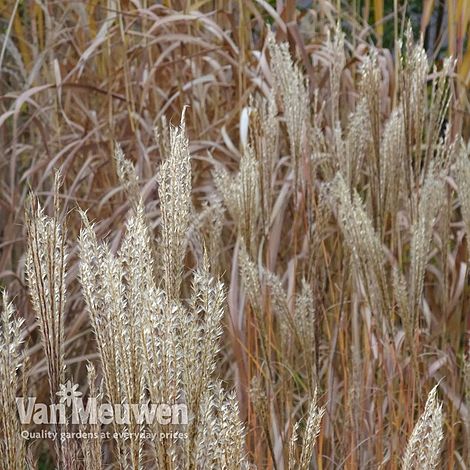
(68, 393)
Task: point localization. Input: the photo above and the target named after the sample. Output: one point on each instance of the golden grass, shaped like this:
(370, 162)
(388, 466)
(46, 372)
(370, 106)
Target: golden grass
(326, 183)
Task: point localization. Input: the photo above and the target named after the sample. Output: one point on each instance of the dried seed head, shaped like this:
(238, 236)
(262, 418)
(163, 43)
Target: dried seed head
(12, 444)
(424, 445)
(174, 180)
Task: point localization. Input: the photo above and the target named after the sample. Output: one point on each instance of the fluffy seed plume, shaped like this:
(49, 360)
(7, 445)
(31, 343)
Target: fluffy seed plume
(231, 440)
(241, 195)
(428, 208)
(291, 87)
(200, 344)
(424, 445)
(312, 430)
(174, 180)
(119, 293)
(12, 444)
(127, 176)
(365, 246)
(46, 259)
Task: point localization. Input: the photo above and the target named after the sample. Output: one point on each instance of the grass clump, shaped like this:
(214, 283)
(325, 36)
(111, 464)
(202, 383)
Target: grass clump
(289, 262)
